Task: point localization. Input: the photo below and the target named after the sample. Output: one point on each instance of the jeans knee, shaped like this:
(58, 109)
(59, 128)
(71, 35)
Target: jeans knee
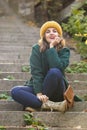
(55, 72)
(14, 90)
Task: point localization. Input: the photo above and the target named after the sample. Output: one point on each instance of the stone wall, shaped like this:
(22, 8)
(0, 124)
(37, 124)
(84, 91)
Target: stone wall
(24, 8)
(38, 11)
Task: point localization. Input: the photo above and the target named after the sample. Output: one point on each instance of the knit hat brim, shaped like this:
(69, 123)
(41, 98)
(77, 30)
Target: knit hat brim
(50, 24)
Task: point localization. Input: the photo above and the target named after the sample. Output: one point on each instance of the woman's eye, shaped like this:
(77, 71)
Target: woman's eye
(47, 31)
(55, 31)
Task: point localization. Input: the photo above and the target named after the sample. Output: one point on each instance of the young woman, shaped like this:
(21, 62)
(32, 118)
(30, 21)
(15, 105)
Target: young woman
(48, 61)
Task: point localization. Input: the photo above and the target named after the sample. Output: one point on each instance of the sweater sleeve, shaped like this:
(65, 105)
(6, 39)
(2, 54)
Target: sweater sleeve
(58, 59)
(36, 69)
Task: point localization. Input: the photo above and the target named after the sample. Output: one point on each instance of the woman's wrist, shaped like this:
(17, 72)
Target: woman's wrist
(39, 94)
(51, 46)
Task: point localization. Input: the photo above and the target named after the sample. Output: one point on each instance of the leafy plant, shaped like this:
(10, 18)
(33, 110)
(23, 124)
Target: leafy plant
(5, 96)
(30, 120)
(82, 44)
(25, 68)
(2, 128)
(9, 77)
(76, 26)
(85, 97)
(80, 67)
(31, 129)
(77, 23)
(82, 49)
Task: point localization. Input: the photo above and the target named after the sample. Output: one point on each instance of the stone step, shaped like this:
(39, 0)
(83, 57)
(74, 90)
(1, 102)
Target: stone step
(17, 40)
(10, 30)
(77, 76)
(17, 61)
(6, 85)
(18, 43)
(7, 92)
(63, 120)
(6, 33)
(23, 29)
(12, 118)
(6, 105)
(14, 49)
(11, 105)
(14, 38)
(4, 28)
(78, 85)
(14, 56)
(4, 24)
(75, 57)
(15, 75)
(15, 53)
(48, 128)
(11, 67)
(77, 128)
(10, 39)
(13, 32)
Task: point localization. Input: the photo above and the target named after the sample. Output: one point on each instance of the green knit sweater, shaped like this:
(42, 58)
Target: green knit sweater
(41, 62)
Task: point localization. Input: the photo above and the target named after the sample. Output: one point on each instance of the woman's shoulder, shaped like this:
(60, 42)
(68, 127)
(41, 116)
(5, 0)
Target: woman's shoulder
(35, 46)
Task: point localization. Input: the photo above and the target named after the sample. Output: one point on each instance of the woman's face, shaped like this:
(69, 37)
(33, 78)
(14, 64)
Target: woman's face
(51, 34)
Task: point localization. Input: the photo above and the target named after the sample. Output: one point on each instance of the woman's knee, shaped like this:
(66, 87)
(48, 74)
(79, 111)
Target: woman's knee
(55, 72)
(15, 90)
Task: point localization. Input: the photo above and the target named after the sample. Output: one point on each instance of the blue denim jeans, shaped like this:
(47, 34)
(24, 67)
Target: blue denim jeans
(53, 87)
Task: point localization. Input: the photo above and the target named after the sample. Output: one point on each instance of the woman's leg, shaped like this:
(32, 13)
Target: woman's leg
(25, 96)
(54, 86)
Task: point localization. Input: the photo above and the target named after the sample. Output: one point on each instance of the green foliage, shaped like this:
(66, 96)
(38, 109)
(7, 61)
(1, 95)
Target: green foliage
(2, 128)
(80, 67)
(77, 23)
(30, 120)
(85, 97)
(76, 26)
(10, 77)
(5, 96)
(31, 129)
(82, 49)
(25, 68)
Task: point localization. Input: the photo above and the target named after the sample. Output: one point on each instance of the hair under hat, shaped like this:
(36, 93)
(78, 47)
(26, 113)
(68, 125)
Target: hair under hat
(49, 24)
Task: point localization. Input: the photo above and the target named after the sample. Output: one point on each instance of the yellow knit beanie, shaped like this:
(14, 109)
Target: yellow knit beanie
(50, 24)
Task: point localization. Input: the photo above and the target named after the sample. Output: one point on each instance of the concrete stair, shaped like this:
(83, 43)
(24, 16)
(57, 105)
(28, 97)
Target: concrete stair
(15, 46)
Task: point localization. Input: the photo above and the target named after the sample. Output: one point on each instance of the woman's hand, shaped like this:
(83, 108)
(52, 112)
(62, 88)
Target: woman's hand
(56, 41)
(42, 97)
